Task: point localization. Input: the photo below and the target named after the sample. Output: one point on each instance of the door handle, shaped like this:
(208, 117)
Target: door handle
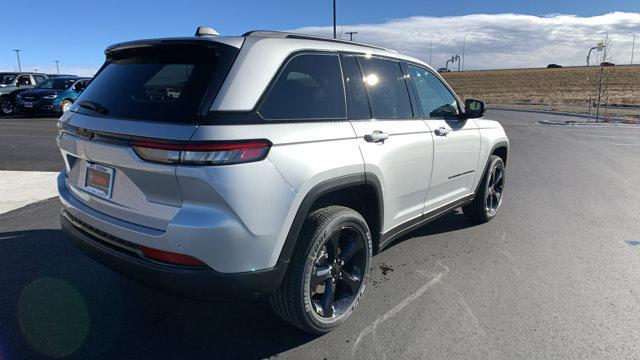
(442, 131)
(376, 136)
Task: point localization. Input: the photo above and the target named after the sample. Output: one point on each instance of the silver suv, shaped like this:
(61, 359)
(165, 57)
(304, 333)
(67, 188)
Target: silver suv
(269, 164)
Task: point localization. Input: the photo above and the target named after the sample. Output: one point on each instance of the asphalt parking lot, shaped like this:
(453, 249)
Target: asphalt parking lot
(555, 275)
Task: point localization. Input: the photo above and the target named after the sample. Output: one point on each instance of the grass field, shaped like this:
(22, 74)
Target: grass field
(562, 86)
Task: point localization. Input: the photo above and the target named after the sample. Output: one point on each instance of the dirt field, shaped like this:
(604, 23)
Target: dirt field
(549, 86)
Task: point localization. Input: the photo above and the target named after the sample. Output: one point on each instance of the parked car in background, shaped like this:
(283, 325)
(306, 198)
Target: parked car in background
(554, 66)
(606, 63)
(61, 75)
(54, 95)
(443, 70)
(13, 83)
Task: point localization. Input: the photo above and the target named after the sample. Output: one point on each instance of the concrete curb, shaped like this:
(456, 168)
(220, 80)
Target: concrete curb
(583, 116)
(586, 125)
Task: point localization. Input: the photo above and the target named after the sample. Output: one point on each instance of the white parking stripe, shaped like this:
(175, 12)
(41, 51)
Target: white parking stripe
(614, 137)
(625, 144)
(21, 188)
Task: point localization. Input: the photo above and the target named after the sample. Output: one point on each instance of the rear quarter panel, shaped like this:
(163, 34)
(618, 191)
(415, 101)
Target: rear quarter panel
(302, 156)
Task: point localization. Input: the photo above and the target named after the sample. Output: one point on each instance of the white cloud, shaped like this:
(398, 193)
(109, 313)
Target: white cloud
(493, 40)
(501, 40)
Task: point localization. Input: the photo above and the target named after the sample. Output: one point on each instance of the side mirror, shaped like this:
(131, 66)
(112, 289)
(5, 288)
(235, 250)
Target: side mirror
(473, 108)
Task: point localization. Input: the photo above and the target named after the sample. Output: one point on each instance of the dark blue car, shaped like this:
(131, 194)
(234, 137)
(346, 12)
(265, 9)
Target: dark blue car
(54, 95)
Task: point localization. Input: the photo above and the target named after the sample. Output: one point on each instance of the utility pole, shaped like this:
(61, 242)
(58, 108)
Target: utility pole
(334, 19)
(430, 48)
(633, 47)
(57, 66)
(18, 56)
(351, 33)
(464, 40)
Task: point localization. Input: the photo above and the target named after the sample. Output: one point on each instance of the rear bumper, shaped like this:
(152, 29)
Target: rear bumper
(188, 282)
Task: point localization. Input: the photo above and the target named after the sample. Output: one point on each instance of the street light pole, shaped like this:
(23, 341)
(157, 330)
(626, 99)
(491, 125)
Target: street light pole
(334, 19)
(464, 40)
(633, 47)
(599, 47)
(57, 66)
(18, 56)
(430, 49)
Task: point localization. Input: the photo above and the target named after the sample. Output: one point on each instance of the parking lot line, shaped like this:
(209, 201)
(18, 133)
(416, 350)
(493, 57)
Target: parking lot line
(614, 137)
(21, 188)
(624, 144)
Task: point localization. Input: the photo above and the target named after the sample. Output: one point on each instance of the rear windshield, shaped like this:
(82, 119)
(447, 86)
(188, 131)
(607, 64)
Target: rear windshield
(164, 83)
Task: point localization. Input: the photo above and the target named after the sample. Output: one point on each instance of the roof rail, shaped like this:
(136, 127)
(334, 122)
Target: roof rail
(288, 35)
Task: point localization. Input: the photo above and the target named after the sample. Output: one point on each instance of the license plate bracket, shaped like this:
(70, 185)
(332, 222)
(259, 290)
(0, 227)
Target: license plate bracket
(99, 180)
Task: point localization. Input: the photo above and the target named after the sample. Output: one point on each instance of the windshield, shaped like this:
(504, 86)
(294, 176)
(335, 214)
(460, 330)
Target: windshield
(56, 84)
(166, 83)
(7, 78)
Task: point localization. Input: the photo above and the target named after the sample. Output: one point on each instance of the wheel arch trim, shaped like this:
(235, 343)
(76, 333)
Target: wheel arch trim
(316, 193)
(499, 144)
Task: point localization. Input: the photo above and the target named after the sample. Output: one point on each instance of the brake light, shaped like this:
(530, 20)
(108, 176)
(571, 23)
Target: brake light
(215, 153)
(170, 257)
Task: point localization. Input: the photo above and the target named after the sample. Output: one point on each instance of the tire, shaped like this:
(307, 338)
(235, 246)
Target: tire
(65, 105)
(303, 305)
(7, 107)
(485, 205)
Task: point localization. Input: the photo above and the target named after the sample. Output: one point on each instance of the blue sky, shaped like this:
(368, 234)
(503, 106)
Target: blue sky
(76, 32)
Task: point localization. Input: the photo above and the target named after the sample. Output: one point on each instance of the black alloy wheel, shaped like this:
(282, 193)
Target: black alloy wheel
(338, 272)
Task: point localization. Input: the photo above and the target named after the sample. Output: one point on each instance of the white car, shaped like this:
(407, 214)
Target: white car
(278, 166)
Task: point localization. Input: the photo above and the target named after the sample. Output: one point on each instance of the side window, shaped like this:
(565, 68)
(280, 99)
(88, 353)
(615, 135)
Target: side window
(80, 85)
(387, 88)
(357, 102)
(309, 87)
(39, 79)
(24, 80)
(435, 100)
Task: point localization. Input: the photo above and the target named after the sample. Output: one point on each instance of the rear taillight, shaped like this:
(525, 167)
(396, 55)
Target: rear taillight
(170, 257)
(215, 153)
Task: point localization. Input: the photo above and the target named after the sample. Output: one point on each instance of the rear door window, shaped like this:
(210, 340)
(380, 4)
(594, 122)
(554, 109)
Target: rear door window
(164, 83)
(357, 102)
(309, 87)
(387, 89)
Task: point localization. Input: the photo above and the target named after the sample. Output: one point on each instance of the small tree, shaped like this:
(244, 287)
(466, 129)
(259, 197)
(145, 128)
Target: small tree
(598, 78)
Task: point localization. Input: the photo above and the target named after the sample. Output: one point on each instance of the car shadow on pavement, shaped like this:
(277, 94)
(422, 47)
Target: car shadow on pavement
(452, 221)
(56, 301)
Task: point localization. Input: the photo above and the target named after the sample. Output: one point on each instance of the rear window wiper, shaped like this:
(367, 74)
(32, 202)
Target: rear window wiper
(91, 105)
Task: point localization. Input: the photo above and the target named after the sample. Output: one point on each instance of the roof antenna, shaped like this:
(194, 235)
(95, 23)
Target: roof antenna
(206, 31)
